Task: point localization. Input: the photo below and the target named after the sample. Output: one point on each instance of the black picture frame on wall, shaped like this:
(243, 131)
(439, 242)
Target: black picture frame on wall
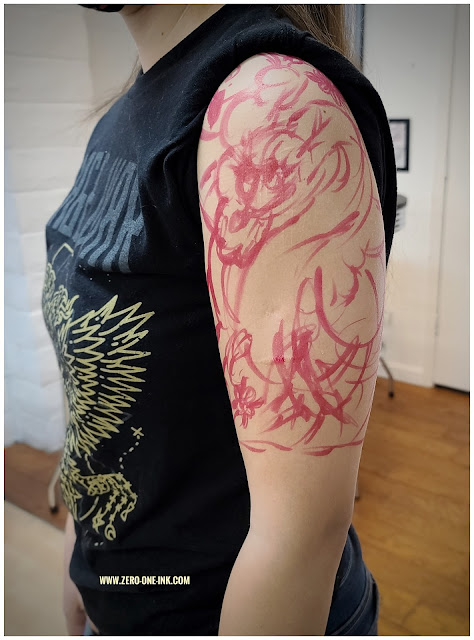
(400, 128)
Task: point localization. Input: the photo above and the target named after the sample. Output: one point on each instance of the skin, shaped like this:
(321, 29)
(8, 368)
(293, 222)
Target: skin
(295, 265)
(157, 28)
(294, 255)
(73, 606)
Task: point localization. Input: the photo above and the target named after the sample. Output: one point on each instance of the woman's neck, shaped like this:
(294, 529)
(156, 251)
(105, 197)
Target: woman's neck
(157, 28)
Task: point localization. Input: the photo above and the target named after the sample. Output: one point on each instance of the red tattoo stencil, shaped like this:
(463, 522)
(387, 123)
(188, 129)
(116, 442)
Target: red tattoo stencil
(295, 257)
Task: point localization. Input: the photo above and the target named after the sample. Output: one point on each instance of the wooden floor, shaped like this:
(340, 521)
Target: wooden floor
(27, 475)
(412, 517)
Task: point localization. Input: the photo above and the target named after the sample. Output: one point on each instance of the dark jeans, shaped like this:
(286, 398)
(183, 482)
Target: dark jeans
(364, 619)
(356, 600)
(88, 630)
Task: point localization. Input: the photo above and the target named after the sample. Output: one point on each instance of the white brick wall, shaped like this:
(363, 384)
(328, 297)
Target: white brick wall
(59, 61)
(48, 85)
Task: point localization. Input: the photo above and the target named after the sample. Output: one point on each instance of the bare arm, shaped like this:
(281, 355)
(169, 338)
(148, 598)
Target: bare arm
(72, 602)
(281, 588)
(73, 607)
(295, 264)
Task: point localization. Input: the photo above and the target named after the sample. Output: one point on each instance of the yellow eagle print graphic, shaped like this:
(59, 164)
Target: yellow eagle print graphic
(99, 358)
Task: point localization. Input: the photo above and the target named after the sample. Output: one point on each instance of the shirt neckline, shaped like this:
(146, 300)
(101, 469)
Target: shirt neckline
(163, 64)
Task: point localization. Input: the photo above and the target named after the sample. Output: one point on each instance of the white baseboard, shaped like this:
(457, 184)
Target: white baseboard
(405, 373)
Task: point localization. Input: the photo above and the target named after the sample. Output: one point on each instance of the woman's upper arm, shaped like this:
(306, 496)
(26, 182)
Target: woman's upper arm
(295, 264)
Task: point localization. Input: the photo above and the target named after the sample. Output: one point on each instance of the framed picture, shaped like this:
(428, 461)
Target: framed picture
(400, 128)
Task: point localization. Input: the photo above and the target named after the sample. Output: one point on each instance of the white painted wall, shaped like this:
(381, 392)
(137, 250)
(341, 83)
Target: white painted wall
(408, 53)
(452, 354)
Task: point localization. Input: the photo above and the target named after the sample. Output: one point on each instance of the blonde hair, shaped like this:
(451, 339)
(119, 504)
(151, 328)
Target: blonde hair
(326, 22)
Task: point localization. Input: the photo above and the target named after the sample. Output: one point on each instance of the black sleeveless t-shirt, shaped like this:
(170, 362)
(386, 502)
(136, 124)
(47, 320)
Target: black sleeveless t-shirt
(152, 471)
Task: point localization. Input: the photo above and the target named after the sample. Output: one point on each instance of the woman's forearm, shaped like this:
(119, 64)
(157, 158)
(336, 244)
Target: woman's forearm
(277, 589)
(69, 542)
(73, 606)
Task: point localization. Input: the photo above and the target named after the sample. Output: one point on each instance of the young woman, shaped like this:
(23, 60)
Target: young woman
(214, 291)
